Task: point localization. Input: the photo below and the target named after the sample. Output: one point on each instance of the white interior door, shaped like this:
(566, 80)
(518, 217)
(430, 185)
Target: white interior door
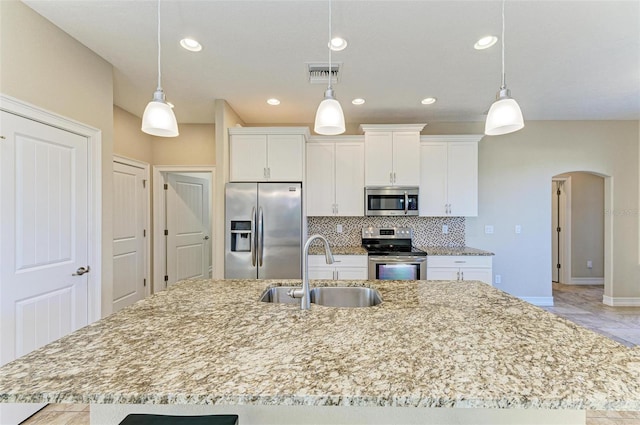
(188, 234)
(44, 237)
(129, 252)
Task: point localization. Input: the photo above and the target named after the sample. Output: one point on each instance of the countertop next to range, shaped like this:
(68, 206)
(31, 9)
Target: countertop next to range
(430, 250)
(428, 344)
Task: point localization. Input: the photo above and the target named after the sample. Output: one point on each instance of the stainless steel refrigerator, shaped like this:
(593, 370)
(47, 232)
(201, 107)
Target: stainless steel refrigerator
(263, 231)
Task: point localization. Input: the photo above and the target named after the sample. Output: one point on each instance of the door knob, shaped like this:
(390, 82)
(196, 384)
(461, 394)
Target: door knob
(81, 271)
(206, 238)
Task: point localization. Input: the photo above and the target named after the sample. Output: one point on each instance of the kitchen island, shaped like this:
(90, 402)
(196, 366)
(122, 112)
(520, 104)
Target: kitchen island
(427, 354)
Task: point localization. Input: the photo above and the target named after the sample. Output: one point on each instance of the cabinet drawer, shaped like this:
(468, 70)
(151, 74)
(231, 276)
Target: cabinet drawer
(459, 261)
(340, 261)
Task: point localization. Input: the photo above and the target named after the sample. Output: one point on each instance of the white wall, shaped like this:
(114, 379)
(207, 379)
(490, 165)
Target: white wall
(515, 172)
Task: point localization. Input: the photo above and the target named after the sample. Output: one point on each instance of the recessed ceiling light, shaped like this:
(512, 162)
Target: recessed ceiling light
(191, 44)
(273, 101)
(485, 42)
(428, 100)
(358, 101)
(337, 43)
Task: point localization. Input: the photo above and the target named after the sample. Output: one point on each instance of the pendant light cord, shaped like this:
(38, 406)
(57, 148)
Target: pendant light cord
(329, 45)
(503, 86)
(159, 51)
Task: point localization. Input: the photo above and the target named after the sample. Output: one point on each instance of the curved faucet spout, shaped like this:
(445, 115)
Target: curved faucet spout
(305, 292)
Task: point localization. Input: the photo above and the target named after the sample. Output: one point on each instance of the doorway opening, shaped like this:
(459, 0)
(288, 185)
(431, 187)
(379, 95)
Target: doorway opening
(579, 232)
(183, 224)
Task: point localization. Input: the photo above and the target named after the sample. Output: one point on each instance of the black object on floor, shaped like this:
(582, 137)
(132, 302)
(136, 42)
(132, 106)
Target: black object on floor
(145, 419)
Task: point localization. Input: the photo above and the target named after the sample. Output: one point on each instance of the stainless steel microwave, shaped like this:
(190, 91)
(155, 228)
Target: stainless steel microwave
(391, 201)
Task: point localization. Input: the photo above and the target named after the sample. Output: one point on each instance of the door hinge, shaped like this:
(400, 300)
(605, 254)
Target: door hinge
(144, 183)
(144, 282)
(166, 278)
(557, 229)
(166, 232)
(166, 186)
(557, 266)
(558, 192)
(144, 233)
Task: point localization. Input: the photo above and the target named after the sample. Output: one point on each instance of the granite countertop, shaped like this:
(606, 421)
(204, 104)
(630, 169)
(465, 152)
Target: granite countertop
(445, 250)
(428, 344)
(430, 250)
(338, 250)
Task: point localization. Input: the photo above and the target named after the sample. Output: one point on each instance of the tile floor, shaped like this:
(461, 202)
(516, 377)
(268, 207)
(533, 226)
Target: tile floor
(580, 304)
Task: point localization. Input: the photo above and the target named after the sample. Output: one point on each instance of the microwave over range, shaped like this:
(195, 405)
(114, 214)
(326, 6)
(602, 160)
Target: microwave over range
(391, 201)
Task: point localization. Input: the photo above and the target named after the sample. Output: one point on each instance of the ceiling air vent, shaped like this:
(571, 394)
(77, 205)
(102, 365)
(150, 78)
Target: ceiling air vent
(319, 72)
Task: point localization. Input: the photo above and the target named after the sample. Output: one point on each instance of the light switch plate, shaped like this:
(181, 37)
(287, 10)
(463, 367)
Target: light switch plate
(518, 228)
(498, 279)
(339, 228)
(445, 229)
(488, 229)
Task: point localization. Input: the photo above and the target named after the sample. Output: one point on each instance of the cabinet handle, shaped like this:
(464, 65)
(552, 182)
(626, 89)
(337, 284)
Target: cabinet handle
(337, 275)
(462, 274)
(391, 177)
(336, 209)
(264, 172)
(458, 274)
(394, 176)
(269, 172)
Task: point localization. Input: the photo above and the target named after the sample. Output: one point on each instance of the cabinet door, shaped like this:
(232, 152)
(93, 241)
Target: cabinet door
(433, 179)
(442, 273)
(462, 178)
(406, 158)
(285, 157)
(349, 178)
(321, 273)
(352, 273)
(378, 154)
(320, 179)
(247, 158)
(482, 274)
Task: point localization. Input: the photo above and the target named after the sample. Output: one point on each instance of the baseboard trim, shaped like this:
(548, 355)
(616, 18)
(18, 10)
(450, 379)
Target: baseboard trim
(539, 301)
(621, 301)
(586, 281)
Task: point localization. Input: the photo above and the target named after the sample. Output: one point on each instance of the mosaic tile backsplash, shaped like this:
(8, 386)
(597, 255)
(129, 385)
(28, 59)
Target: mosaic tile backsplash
(427, 231)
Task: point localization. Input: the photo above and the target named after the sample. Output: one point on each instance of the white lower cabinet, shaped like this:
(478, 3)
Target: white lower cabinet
(345, 267)
(463, 267)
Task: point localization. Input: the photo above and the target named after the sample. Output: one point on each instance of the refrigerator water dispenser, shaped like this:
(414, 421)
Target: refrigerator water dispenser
(240, 236)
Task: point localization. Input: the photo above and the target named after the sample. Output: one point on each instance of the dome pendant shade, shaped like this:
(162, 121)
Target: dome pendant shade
(329, 116)
(504, 115)
(158, 118)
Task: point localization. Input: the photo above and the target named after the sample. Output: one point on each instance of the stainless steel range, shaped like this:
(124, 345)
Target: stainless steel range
(392, 255)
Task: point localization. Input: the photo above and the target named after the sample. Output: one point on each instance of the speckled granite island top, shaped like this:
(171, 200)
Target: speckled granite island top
(338, 250)
(445, 250)
(428, 344)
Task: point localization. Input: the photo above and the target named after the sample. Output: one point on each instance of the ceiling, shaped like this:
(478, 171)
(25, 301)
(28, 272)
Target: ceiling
(565, 60)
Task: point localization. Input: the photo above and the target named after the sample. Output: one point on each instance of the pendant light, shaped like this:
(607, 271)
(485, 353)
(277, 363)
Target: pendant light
(158, 118)
(329, 116)
(504, 115)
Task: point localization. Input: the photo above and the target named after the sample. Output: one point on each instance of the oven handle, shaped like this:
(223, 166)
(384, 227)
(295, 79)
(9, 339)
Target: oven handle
(398, 259)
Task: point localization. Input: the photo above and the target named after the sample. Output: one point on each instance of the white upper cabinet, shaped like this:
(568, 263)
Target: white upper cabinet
(267, 153)
(392, 154)
(335, 176)
(449, 176)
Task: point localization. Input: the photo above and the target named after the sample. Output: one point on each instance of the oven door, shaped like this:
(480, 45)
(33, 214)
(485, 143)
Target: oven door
(397, 267)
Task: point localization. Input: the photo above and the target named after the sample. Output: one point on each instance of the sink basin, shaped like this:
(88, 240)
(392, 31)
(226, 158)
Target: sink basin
(328, 296)
(279, 294)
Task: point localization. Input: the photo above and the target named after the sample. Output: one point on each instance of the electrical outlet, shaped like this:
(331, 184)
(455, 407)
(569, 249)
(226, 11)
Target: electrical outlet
(589, 264)
(488, 229)
(339, 228)
(498, 279)
(518, 228)
(445, 229)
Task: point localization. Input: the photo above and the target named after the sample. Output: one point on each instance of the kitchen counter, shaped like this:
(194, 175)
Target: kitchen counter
(428, 345)
(445, 250)
(338, 250)
(430, 250)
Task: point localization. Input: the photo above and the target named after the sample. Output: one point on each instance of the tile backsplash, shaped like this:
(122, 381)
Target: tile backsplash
(427, 231)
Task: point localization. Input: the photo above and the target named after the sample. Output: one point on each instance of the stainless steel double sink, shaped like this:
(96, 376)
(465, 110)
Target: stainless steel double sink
(328, 296)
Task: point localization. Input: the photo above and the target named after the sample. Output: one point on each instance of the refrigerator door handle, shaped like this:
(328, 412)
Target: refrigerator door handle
(260, 237)
(253, 236)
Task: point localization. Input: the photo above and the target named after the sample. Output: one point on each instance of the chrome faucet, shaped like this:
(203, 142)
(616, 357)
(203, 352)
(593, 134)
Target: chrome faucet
(304, 293)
